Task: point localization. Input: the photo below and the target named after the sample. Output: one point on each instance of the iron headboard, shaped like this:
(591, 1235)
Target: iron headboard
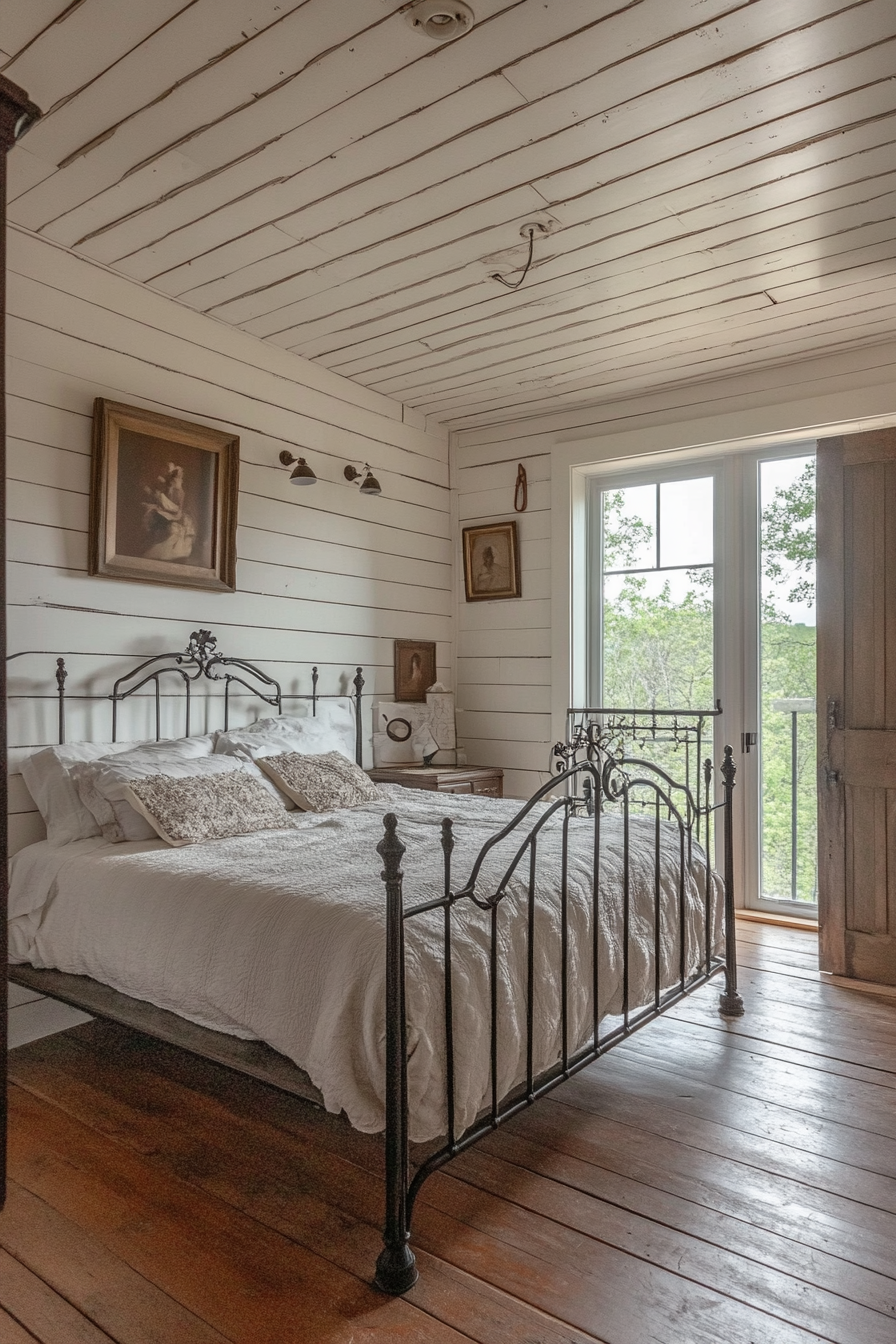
(200, 660)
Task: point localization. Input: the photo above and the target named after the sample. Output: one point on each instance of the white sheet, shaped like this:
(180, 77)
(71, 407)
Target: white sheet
(280, 937)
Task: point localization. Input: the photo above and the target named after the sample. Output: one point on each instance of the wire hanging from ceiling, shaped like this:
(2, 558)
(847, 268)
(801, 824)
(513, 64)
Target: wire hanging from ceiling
(530, 229)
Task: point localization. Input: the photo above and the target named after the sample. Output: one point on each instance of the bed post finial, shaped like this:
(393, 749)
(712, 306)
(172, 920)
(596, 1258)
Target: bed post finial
(730, 1003)
(61, 674)
(358, 683)
(396, 1270)
(447, 847)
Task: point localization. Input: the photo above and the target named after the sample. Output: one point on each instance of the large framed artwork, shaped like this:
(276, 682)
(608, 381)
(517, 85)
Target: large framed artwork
(163, 499)
(491, 562)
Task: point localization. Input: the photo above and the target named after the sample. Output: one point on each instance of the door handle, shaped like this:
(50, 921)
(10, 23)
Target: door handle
(748, 740)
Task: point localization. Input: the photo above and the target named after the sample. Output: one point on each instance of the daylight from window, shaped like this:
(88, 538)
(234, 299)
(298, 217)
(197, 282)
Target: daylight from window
(787, 679)
(657, 595)
(657, 637)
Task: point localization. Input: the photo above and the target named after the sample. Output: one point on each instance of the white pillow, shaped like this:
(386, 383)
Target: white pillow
(331, 729)
(101, 783)
(245, 746)
(48, 778)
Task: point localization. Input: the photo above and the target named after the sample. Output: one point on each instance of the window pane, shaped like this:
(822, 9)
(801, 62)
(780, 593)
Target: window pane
(657, 645)
(686, 522)
(787, 644)
(630, 528)
(657, 627)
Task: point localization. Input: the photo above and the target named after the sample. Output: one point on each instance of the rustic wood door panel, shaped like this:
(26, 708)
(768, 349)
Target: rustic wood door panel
(857, 692)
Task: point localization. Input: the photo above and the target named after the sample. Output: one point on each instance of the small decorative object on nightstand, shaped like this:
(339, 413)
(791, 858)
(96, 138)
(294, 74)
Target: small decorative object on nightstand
(485, 780)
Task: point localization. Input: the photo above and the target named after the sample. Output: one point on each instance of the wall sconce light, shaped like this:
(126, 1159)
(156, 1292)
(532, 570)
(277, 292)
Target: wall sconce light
(369, 485)
(301, 473)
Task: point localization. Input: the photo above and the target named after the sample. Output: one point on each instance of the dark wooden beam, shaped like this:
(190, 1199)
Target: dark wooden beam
(17, 113)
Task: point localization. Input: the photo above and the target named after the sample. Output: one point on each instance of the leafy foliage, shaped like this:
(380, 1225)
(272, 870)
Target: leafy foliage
(788, 542)
(624, 534)
(658, 653)
(788, 672)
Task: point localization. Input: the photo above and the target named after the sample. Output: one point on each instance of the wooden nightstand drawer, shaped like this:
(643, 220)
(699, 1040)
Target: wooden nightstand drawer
(485, 780)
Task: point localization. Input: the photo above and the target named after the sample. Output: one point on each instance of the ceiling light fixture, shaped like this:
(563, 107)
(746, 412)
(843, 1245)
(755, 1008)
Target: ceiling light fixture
(442, 20)
(302, 473)
(369, 483)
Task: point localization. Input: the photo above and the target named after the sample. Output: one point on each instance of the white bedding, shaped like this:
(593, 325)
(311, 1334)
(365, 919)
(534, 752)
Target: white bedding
(280, 936)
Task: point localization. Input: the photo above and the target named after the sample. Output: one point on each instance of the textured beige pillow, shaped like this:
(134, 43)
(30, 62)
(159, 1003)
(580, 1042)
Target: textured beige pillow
(320, 783)
(205, 807)
(100, 783)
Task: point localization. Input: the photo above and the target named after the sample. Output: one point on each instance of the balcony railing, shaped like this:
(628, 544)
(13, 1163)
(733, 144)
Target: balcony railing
(794, 707)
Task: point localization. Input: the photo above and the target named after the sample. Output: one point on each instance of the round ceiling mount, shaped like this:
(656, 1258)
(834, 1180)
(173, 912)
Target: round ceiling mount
(442, 20)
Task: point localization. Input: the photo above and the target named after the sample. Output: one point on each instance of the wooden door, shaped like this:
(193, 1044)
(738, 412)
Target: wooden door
(857, 705)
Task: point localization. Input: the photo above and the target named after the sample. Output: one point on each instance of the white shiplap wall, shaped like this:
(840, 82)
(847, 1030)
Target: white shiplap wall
(504, 647)
(325, 575)
(512, 656)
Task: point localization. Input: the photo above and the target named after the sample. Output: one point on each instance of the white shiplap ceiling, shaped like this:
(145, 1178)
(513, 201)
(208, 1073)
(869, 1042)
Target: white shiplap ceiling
(719, 179)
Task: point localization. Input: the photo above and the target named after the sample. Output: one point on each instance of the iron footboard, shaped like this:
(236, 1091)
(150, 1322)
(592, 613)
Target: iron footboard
(594, 789)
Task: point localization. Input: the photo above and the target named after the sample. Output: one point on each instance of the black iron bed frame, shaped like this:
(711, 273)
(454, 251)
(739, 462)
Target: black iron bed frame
(597, 775)
(199, 660)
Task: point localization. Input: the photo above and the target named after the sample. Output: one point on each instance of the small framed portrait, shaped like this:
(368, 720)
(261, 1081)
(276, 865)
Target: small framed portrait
(491, 562)
(163, 499)
(415, 668)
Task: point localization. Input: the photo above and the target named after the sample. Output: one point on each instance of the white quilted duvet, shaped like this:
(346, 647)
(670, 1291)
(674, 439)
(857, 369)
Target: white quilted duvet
(280, 936)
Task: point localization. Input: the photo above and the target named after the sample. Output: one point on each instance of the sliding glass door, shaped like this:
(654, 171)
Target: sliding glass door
(702, 588)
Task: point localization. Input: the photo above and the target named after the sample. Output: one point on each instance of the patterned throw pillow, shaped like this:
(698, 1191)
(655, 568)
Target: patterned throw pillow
(320, 783)
(206, 807)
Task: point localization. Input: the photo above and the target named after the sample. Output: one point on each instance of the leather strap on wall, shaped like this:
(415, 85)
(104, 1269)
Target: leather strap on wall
(521, 490)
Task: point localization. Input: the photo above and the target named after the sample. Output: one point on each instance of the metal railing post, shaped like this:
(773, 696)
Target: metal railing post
(730, 1003)
(793, 803)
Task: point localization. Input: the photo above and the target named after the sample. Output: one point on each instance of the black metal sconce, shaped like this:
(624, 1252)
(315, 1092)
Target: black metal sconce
(369, 483)
(301, 473)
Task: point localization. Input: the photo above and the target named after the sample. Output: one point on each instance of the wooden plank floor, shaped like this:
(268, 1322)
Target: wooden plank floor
(703, 1183)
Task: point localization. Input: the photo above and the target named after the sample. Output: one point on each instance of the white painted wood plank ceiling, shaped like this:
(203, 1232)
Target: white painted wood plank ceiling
(718, 179)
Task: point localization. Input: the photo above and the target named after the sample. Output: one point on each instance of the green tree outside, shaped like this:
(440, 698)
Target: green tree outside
(658, 655)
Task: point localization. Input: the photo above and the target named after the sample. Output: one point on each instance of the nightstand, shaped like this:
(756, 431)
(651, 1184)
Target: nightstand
(486, 780)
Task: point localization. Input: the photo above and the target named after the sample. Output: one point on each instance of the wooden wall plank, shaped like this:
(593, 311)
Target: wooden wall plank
(67, 55)
(276, 169)
(330, 580)
(202, 34)
(785, 121)
(30, 257)
(273, 202)
(315, 173)
(21, 24)
(637, 202)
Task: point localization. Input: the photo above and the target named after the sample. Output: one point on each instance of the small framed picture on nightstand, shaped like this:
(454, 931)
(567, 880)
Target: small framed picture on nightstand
(415, 668)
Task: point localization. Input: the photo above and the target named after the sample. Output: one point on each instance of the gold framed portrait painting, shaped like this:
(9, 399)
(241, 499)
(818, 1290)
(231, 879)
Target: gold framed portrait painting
(163, 499)
(491, 562)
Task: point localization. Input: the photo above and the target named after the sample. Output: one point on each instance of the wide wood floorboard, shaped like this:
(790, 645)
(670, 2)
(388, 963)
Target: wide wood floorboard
(704, 1182)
